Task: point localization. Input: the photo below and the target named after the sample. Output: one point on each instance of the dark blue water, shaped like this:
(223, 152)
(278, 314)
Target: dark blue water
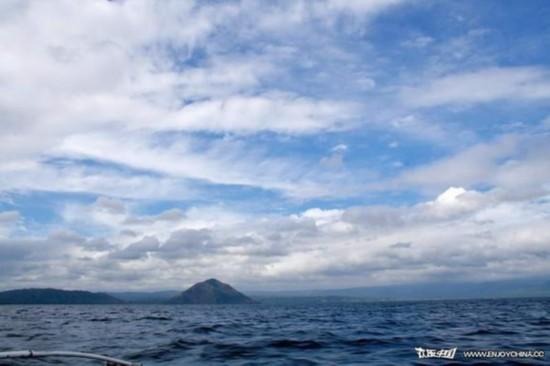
(347, 334)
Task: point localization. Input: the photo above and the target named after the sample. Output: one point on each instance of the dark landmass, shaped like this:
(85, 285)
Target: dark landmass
(140, 297)
(215, 292)
(211, 291)
(54, 296)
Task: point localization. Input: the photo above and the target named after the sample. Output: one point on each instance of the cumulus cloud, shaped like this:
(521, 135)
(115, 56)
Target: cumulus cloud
(137, 250)
(457, 231)
(450, 235)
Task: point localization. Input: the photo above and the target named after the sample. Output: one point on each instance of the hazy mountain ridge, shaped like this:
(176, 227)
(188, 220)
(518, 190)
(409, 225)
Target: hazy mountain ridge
(56, 296)
(210, 291)
(144, 297)
(215, 292)
(530, 287)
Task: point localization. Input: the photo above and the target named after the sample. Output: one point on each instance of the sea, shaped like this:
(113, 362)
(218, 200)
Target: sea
(376, 333)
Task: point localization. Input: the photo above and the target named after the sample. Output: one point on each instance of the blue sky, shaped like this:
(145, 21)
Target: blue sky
(286, 144)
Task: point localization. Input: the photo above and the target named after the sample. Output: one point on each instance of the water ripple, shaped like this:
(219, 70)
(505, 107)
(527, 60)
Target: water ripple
(328, 334)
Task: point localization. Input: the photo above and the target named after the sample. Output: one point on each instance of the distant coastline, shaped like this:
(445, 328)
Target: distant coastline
(213, 291)
(51, 296)
(210, 291)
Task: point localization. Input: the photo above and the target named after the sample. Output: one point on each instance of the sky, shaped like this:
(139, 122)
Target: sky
(273, 144)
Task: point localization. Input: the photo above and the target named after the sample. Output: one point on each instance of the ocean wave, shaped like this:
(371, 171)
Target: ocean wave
(358, 334)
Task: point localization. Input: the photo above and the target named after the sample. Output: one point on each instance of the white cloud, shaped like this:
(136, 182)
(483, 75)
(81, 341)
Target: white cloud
(36, 176)
(418, 42)
(336, 159)
(286, 16)
(481, 86)
(102, 70)
(104, 211)
(182, 159)
(452, 240)
(416, 126)
(513, 163)
(468, 233)
(361, 7)
(8, 222)
(278, 112)
(340, 148)
(450, 196)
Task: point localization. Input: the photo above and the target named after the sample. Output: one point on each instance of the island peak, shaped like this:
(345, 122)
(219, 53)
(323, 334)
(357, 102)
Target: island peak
(211, 291)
